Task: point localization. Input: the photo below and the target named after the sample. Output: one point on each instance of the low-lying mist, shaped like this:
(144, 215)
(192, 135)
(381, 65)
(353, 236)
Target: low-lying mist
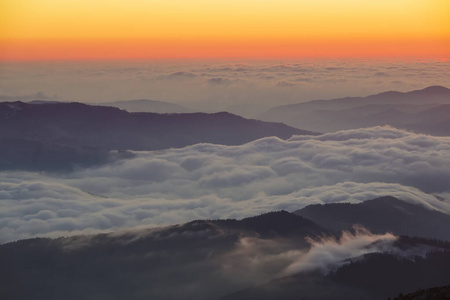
(328, 253)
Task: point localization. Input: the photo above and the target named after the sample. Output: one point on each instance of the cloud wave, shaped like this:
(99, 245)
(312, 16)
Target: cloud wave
(215, 181)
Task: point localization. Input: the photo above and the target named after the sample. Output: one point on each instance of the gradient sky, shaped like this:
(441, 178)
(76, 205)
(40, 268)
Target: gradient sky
(109, 29)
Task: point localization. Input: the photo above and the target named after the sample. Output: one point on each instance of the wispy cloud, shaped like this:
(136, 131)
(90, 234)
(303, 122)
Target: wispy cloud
(327, 253)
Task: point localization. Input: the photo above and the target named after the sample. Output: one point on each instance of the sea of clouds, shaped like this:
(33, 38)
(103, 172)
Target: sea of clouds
(207, 181)
(246, 87)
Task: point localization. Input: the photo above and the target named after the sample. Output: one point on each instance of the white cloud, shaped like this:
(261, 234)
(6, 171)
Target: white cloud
(214, 181)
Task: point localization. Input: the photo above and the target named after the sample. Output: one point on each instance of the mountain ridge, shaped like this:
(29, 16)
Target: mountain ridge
(55, 126)
(373, 110)
(436, 89)
(147, 105)
(228, 257)
(381, 215)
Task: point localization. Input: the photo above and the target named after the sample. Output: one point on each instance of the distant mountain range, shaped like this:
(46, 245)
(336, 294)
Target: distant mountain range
(60, 135)
(210, 259)
(145, 105)
(424, 111)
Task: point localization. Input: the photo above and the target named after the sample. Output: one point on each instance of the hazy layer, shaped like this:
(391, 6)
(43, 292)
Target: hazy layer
(213, 86)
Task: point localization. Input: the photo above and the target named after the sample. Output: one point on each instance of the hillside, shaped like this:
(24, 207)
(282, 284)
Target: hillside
(70, 131)
(203, 259)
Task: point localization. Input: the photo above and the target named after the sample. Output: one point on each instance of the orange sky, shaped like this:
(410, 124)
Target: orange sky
(130, 29)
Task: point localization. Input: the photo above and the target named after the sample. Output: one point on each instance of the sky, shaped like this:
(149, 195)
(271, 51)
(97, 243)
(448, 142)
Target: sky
(137, 29)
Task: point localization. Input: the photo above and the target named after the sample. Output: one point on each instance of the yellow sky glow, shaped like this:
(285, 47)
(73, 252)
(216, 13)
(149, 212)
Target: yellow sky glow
(69, 29)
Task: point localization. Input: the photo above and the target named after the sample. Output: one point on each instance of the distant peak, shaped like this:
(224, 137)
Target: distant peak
(225, 114)
(279, 218)
(436, 88)
(272, 214)
(384, 199)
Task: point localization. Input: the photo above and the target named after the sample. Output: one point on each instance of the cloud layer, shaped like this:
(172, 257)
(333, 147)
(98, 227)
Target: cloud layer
(215, 181)
(214, 86)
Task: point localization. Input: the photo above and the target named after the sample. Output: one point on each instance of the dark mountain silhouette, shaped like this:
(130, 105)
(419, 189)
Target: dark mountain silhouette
(436, 293)
(69, 129)
(303, 286)
(145, 105)
(416, 110)
(385, 214)
(276, 224)
(202, 259)
(207, 259)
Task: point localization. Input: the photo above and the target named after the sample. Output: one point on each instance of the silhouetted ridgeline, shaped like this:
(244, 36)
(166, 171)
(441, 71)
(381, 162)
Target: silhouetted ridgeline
(201, 259)
(385, 214)
(275, 224)
(44, 136)
(145, 105)
(207, 259)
